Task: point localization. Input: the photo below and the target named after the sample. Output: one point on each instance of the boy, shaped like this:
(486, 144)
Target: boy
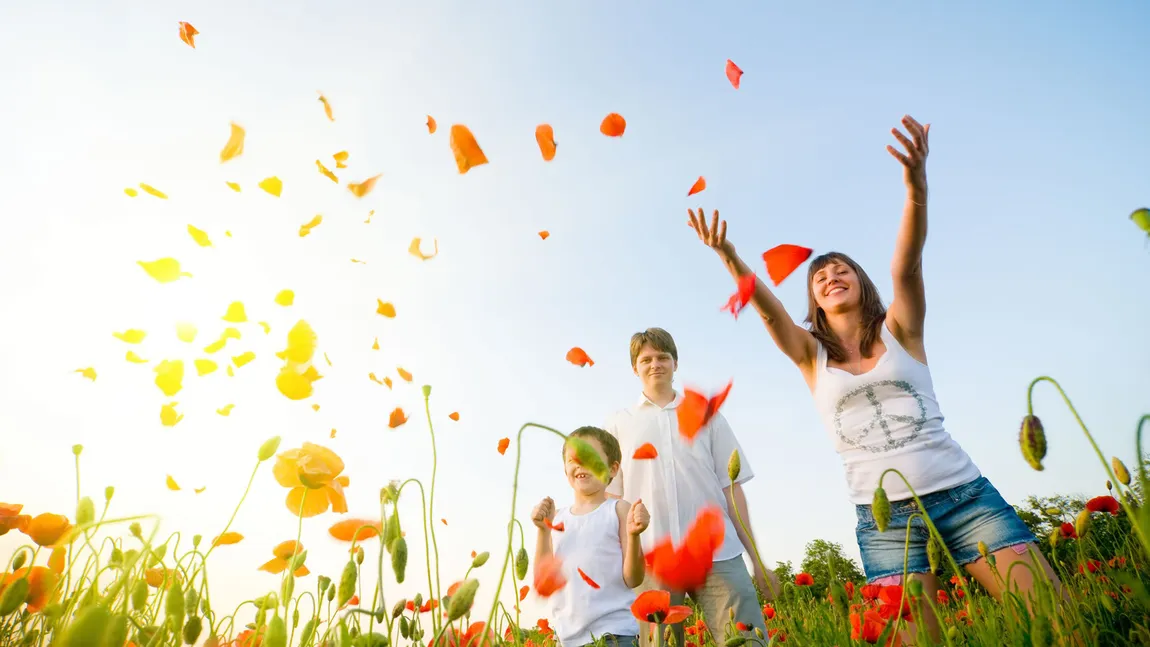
(599, 537)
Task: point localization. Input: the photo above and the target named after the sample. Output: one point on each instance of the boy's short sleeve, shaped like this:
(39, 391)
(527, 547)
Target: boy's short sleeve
(723, 444)
(615, 487)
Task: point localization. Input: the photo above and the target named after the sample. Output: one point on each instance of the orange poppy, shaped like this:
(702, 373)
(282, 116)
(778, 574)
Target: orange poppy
(42, 586)
(685, 568)
(355, 529)
(313, 469)
(655, 606)
(283, 552)
(11, 519)
(47, 529)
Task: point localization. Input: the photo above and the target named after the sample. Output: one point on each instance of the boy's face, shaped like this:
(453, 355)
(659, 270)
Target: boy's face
(580, 478)
(654, 367)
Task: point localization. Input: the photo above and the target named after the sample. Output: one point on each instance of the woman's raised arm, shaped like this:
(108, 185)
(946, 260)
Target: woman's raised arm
(908, 308)
(795, 341)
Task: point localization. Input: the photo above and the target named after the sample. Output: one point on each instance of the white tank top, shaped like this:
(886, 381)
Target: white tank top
(591, 542)
(887, 418)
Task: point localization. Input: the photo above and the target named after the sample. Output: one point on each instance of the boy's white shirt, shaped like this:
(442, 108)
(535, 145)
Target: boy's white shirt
(684, 478)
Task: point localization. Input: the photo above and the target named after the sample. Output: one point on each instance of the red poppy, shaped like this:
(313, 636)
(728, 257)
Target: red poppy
(742, 626)
(850, 587)
(868, 627)
(1067, 531)
(655, 606)
(804, 579)
(742, 296)
(557, 527)
(769, 612)
(1104, 503)
(890, 599)
(1092, 565)
(696, 410)
(942, 597)
(870, 591)
(685, 568)
(549, 576)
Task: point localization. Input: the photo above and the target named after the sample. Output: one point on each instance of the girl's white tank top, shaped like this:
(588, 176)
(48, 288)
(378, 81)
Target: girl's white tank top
(887, 418)
(590, 542)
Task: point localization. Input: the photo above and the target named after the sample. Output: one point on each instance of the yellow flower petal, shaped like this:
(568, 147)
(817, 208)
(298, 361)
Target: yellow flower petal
(272, 185)
(226, 410)
(216, 345)
(131, 336)
(227, 539)
(235, 313)
(385, 309)
(150, 190)
(285, 298)
(328, 174)
(315, 407)
(305, 229)
(326, 107)
(171, 483)
(414, 250)
(131, 192)
(340, 158)
(375, 344)
(285, 470)
(240, 360)
(325, 358)
(356, 260)
(134, 358)
(316, 502)
(170, 376)
(89, 373)
(369, 215)
(168, 415)
(275, 565)
(360, 189)
(205, 366)
(267, 328)
(235, 146)
(233, 186)
(185, 332)
(200, 236)
(230, 332)
(200, 489)
(164, 270)
(231, 373)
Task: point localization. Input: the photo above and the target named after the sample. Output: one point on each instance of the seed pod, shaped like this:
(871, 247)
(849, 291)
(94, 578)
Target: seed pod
(268, 449)
(397, 610)
(1032, 439)
(276, 634)
(308, 630)
(85, 511)
(462, 600)
(90, 624)
(880, 507)
(1082, 523)
(399, 559)
(521, 563)
(192, 630)
(196, 539)
(734, 465)
(1120, 471)
(191, 601)
(735, 641)
(480, 559)
(174, 605)
(14, 596)
(934, 553)
(19, 561)
(347, 583)
(139, 595)
(404, 627)
(288, 586)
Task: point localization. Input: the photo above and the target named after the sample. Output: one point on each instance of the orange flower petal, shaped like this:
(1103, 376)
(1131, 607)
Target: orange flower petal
(287, 549)
(544, 234)
(315, 503)
(549, 576)
(734, 74)
(586, 578)
(523, 592)
(613, 125)
(385, 309)
(579, 357)
(504, 443)
(397, 417)
(355, 529)
(781, 260)
(468, 155)
(326, 173)
(227, 539)
(431, 125)
(696, 410)
(188, 34)
(363, 188)
(698, 186)
(454, 415)
(326, 107)
(645, 451)
(545, 137)
(340, 158)
(404, 374)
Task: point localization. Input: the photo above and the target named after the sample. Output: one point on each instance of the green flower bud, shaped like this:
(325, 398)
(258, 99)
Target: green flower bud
(952, 633)
(268, 449)
(139, 595)
(347, 583)
(521, 563)
(191, 601)
(117, 558)
(982, 549)
(288, 586)
(914, 587)
(426, 390)
(736, 641)
(359, 554)
(174, 605)
(1054, 512)
(89, 624)
(1082, 523)
(324, 582)
(734, 465)
(404, 627)
(418, 601)
(14, 596)
(399, 559)
(276, 634)
(391, 532)
(158, 553)
(295, 618)
(134, 528)
(480, 559)
(1055, 536)
(196, 539)
(880, 507)
(21, 557)
(117, 631)
(308, 629)
(192, 630)
(1120, 471)
(759, 633)
(462, 600)
(298, 560)
(108, 492)
(330, 593)
(1032, 439)
(85, 511)
(934, 553)
(76, 449)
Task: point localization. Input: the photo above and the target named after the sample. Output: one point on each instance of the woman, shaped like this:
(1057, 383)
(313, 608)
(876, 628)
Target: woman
(866, 368)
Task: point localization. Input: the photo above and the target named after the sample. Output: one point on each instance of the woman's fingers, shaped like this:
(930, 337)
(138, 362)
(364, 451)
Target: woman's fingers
(897, 155)
(911, 148)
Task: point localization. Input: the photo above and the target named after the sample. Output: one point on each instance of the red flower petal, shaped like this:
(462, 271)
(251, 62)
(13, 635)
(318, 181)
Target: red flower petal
(586, 578)
(696, 410)
(549, 576)
(781, 260)
(698, 186)
(734, 74)
(645, 451)
(742, 295)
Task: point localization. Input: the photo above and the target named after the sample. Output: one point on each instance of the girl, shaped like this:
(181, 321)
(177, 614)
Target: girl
(867, 371)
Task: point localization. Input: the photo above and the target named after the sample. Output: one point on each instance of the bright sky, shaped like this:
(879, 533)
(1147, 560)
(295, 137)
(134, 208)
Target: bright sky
(1039, 140)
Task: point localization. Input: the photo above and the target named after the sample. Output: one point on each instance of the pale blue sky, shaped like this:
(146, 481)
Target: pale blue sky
(1039, 140)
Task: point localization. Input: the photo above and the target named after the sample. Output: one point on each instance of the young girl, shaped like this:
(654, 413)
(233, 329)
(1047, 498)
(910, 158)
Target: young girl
(867, 370)
(599, 537)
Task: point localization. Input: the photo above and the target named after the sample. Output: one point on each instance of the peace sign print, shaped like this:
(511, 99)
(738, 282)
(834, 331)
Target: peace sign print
(876, 394)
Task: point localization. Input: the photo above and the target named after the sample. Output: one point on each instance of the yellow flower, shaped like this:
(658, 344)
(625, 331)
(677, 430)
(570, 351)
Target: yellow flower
(48, 529)
(314, 470)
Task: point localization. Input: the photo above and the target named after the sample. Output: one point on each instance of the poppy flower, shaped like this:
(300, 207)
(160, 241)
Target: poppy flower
(47, 529)
(283, 552)
(870, 592)
(1092, 565)
(355, 529)
(850, 588)
(943, 597)
(696, 410)
(685, 568)
(1067, 530)
(804, 579)
(11, 519)
(1104, 503)
(42, 585)
(869, 626)
(890, 600)
(655, 606)
(161, 577)
(313, 469)
(769, 612)
(549, 576)
(742, 295)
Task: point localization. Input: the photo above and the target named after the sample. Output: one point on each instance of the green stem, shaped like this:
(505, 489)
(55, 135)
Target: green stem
(1097, 450)
(431, 498)
(754, 544)
(426, 553)
(290, 570)
(514, 494)
(925, 517)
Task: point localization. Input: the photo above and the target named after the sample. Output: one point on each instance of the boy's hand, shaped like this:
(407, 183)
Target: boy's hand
(542, 513)
(637, 518)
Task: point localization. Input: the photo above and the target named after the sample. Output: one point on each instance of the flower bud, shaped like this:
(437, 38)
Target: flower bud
(427, 390)
(359, 554)
(952, 633)
(14, 596)
(982, 549)
(1055, 535)
(196, 539)
(191, 601)
(734, 466)
(117, 631)
(324, 582)
(276, 634)
(759, 633)
(91, 622)
(108, 492)
(76, 449)
(1109, 485)
(85, 511)
(731, 612)
(268, 449)
(287, 588)
(1120, 471)
(347, 583)
(418, 601)
(1032, 439)
(331, 593)
(308, 630)
(1054, 512)
(174, 605)
(295, 618)
(404, 627)
(298, 560)
(397, 610)
(134, 528)
(934, 553)
(192, 630)
(521, 563)
(736, 641)
(480, 559)
(462, 600)
(914, 587)
(140, 595)
(399, 559)
(18, 562)
(1082, 523)
(880, 507)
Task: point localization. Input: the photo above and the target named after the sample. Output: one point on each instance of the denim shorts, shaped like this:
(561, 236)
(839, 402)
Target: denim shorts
(964, 515)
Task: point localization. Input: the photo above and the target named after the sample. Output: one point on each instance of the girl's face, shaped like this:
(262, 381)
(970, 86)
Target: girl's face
(580, 478)
(836, 287)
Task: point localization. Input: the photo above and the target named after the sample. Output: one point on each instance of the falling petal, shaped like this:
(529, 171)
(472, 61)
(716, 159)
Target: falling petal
(131, 192)
(742, 296)
(266, 326)
(285, 298)
(233, 186)
(235, 313)
(205, 366)
(168, 415)
(369, 215)
(171, 482)
(131, 336)
(306, 228)
(431, 126)
(170, 376)
(734, 74)
(356, 260)
(397, 418)
(340, 158)
(544, 234)
(235, 146)
(216, 345)
(468, 155)
(272, 185)
(387, 382)
(579, 357)
(414, 250)
(404, 374)
(231, 372)
(645, 451)
(89, 373)
(333, 432)
(373, 378)
(164, 270)
(781, 260)
(134, 358)
(444, 523)
(698, 186)
(454, 415)
(150, 190)
(200, 489)
(696, 410)
(188, 34)
(226, 410)
(186, 332)
(244, 358)
(504, 443)
(315, 407)
(325, 358)
(200, 236)
(545, 137)
(613, 125)
(385, 309)
(375, 344)
(326, 107)
(363, 188)
(586, 578)
(326, 173)
(227, 539)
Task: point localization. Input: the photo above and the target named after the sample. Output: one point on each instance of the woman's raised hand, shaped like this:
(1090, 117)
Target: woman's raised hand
(917, 148)
(714, 236)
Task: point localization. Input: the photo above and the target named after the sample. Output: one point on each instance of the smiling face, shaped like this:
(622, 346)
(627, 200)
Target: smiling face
(655, 368)
(836, 287)
(580, 478)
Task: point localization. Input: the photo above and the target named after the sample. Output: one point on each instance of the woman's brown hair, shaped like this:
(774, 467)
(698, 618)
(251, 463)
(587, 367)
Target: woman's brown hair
(873, 311)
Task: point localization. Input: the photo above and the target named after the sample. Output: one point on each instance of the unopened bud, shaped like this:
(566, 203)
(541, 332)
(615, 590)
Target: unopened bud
(268, 449)
(731, 612)
(76, 449)
(1054, 512)
(323, 581)
(521, 563)
(1032, 439)
(734, 466)
(735, 641)
(108, 492)
(1109, 485)
(347, 583)
(426, 390)
(192, 630)
(397, 610)
(196, 539)
(359, 554)
(276, 634)
(418, 601)
(18, 562)
(1055, 535)
(934, 553)
(880, 507)
(399, 559)
(1082, 523)
(85, 511)
(1120, 471)
(134, 528)
(480, 559)
(982, 549)
(14, 596)
(759, 633)
(462, 600)
(952, 633)
(914, 587)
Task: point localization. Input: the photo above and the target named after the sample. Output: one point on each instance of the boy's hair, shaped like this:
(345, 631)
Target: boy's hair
(658, 338)
(610, 443)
